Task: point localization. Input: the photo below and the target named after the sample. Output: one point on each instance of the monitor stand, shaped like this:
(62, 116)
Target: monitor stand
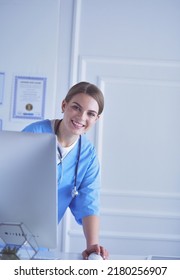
(17, 242)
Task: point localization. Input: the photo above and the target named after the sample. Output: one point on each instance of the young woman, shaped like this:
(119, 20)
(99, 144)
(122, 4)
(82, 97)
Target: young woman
(77, 163)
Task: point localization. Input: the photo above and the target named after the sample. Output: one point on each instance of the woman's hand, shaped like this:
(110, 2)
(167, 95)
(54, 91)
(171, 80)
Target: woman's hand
(95, 249)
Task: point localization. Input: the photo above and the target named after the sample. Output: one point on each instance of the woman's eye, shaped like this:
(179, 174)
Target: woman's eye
(92, 115)
(76, 108)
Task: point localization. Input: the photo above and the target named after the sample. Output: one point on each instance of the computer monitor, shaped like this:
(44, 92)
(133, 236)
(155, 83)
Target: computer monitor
(28, 185)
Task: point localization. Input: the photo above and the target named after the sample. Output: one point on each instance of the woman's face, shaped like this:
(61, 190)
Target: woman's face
(80, 113)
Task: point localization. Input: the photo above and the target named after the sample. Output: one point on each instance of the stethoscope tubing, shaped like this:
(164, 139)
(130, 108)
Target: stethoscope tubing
(74, 190)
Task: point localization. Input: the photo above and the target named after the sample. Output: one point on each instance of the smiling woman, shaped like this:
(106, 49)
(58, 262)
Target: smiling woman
(77, 163)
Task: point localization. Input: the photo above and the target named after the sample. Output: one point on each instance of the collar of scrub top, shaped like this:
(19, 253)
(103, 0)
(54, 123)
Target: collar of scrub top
(74, 191)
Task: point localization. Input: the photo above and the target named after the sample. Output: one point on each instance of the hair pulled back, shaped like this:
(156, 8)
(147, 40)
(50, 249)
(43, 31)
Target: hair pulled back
(89, 89)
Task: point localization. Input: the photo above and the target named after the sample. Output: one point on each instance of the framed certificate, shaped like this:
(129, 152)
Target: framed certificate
(29, 97)
(2, 75)
(0, 124)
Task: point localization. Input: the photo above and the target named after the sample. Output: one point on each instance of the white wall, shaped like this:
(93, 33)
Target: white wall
(131, 50)
(29, 47)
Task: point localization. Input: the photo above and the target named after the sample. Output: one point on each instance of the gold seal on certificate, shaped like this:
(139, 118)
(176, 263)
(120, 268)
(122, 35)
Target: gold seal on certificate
(29, 107)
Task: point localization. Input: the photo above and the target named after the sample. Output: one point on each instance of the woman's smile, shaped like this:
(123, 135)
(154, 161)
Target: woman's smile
(77, 124)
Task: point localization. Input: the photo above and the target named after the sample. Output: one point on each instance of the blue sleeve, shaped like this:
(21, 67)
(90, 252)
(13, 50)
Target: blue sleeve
(87, 201)
(39, 127)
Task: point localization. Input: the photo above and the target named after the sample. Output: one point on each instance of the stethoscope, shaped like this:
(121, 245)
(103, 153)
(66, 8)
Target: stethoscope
(74, 191)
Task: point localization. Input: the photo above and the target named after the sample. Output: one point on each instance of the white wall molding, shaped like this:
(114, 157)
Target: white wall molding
(141, 194)
(85, 59)
(140, 214)
(127, 235)
(75, 41)
(140, 203)
(137, 81)
(134, 70)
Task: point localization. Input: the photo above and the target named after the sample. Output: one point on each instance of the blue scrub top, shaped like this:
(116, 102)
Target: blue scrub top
(86, 203)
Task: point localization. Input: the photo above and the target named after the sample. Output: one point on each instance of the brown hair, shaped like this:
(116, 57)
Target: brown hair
(89, 89)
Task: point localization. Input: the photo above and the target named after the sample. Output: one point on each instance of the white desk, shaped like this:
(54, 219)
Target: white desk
(76, 256)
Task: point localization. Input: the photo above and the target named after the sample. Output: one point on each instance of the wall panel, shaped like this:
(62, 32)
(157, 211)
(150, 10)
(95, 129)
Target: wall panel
(137, 138)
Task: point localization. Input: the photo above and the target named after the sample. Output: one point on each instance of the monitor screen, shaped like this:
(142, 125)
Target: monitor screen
(28, 185)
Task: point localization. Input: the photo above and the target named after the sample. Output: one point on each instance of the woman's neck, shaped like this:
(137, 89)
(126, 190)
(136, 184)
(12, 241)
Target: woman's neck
(64, 137)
